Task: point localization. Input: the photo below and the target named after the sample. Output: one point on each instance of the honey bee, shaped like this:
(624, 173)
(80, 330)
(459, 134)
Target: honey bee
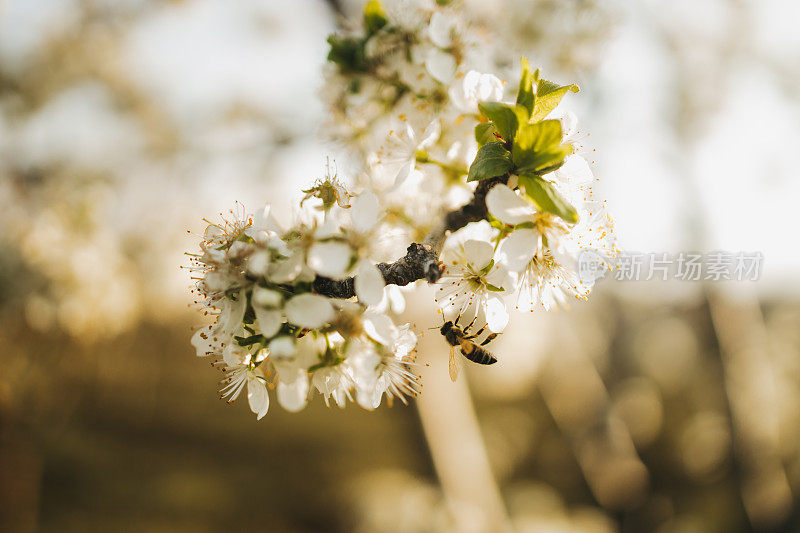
(461, 338)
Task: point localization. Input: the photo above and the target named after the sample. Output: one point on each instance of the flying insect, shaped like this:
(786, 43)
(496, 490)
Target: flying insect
(463, 339)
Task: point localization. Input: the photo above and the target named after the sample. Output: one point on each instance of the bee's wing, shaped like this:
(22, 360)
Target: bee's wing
(453, 364)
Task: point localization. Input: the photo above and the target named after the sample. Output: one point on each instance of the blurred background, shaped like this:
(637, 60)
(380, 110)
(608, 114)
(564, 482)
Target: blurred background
(670, 406)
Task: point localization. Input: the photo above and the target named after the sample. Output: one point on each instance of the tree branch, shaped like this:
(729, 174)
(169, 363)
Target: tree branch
(473, 211)
(422, 259)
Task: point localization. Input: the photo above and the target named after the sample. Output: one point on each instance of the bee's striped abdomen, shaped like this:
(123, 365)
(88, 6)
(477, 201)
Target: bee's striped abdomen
(476, 354)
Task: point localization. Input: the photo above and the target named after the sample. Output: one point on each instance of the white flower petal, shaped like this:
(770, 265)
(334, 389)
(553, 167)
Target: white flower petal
(430, 134)
(326, 380)
(402, 174)
(569, 123)
(263, 297)
(575, 169)
(309, 350)
(366, 398)
(214, 233)
(340, 396)
(260, 355)
(309, 310)
(330, 227)
(489, 88)
(364, 211)
(404, 341)
(507, 207)
(472, 80)
(330, 258)
(379, 327)
(441, 29)
(479, 231)
(264, 221)
(364, 361)
(499, 276)
(258, 263)
(440, 65)
(496, 314)
(517, 250)
(257, 396)
(203, 341)
(269, 320)
(282, 347)
(474, 88)
(369, 283)
(216, 281)
(288, 269)
(232, 312)
(478, 253)
(460, 99)
(235, 355)
(306, 275)
(396, 300)
(377, 396)
(293, 396)
(411, 136)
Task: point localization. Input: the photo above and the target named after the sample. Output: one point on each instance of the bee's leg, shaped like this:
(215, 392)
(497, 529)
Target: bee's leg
(477, 333)
(466, 329)
(489, 339)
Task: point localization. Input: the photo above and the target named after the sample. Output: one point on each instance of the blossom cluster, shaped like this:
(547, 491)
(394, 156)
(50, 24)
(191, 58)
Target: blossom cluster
(402, 91)
(401, 62)
(272, 330)
(491, 183)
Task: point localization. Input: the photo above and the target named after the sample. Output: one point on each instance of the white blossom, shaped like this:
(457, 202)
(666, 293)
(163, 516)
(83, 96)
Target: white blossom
(291, 361)
(474, 88)
(473, 284)
(309, 310)
(241, 372)
(383, 368)
(543, 253)
(399, 156)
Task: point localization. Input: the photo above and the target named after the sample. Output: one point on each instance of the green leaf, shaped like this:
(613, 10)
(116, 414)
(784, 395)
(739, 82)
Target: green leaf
(547, 198)
(348, 53)
(493, 288)
(525, 94)
(485, 133)
(538, 149)
(548, 95)
(249, 341)
(506, 117)
(492, 160)
(374, 16)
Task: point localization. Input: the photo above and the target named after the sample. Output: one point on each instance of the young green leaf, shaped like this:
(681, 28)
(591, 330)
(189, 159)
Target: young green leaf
(492, 160)
(374, 16)
(547, 198)
(548, 95)
(485, 133)
(348, 53)
(249, 341)
(537, 148)
(506, 117)
(525, 94)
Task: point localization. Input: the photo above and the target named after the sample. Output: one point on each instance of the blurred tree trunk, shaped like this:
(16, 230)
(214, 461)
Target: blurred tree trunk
(456, 445)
